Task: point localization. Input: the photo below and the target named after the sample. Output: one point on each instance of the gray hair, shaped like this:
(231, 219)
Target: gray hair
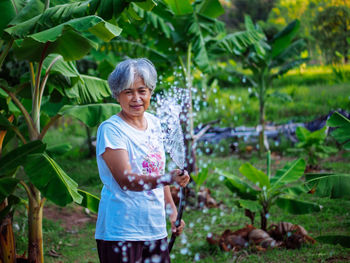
(123, 76)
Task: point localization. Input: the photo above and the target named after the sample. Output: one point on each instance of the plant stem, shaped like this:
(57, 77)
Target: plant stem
(36, 94)
(35, 235)
(32, 132)
(5, 52)
(43, 84)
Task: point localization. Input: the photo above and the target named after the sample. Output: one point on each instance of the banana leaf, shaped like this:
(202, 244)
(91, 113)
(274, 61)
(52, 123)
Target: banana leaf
(297, 207)
(66, 39)
(180, 7)
(58, 149)
(342, 131)
(236, 185)
(18, 156)
(210, 8)
(283, 39)
(91, 114)
(89, 90)
(254, 175)
(7, 186)
(329, 185)
(51, 180)
(89, 201)
(291, 172)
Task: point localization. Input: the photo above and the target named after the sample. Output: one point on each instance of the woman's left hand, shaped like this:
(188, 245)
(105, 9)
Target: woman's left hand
(176, 230)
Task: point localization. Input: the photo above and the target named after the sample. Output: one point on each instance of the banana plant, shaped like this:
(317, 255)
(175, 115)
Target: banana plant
(51, 38)
(259, 191)
(312, 144)
(267, 60)
(333, 185)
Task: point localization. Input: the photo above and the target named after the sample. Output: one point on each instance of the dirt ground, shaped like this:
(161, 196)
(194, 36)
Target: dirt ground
(70, 217)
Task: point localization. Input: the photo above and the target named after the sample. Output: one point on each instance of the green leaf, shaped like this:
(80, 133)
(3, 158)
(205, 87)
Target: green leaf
(66, 39)
(59, 149)
(302, 133)
(89, 201)
(342, 131)
(253, 206)
(210, 8)
(66, 68)
(283, 39)
(180, 7)
(329, 185)
(51, 180)
(342, 240)
(254, 175)
(290, 65)
(7, 13)
(290, 173)
(30, 10)
(147, 5)
(92, 114)
(297, 207)
(201, 176)
(17, 157)
(7, 186)
(71, 45)
(238, 186)
(108, 9)
(91, 90)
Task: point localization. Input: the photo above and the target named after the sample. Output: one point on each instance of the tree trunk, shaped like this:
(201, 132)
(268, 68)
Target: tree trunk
(262, 126)
(7, 241)
(35, 235)
(263, 214)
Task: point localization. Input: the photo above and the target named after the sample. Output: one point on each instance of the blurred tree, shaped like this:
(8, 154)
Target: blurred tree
(236, 9)
(331, 28)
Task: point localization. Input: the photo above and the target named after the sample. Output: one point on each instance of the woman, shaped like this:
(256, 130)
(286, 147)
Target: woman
(131, 224)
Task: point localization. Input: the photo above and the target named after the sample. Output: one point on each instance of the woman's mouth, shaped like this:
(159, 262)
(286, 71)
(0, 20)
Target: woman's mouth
(136, 107)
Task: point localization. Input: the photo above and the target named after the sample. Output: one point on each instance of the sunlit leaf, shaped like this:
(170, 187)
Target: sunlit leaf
(254, 175)
(89, 201)
(210, 8)
(180, 7)
(291, 172)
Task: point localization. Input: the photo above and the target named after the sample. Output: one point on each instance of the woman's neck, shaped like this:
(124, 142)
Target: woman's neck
(138, 122)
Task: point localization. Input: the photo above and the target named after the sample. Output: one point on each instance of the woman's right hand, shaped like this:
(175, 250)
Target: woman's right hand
(181, 177)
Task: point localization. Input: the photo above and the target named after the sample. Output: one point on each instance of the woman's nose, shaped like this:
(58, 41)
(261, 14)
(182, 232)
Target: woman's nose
(136, 97)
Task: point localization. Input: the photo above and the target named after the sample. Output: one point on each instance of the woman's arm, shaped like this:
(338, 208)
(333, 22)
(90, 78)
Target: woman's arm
(170, 205)
(118, 163)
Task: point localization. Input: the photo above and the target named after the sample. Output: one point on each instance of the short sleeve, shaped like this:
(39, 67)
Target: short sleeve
(108, 136)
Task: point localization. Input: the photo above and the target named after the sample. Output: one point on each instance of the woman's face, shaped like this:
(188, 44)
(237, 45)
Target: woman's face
(135, 100)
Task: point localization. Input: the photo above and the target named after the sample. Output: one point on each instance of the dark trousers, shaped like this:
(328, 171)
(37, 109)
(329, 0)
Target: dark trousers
(133, 251)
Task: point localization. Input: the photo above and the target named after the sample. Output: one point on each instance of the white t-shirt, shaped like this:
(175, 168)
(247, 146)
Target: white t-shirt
(125, 215)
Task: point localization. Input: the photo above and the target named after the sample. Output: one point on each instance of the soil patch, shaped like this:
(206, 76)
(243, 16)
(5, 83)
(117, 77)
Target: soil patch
(71, 217)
